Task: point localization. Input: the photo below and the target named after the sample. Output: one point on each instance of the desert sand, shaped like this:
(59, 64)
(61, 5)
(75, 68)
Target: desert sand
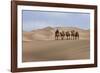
(40, 45)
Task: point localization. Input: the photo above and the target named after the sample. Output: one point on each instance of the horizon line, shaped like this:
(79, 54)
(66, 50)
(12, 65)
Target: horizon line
(58, 28)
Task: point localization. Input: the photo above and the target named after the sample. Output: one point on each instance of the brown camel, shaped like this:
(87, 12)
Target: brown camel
(72, 34)
(76, 35)
(56, 34)
(68, 35)
(62, 34)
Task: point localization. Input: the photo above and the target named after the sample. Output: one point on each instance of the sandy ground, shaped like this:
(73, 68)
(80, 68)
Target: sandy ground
(55, 50)
(39, 45)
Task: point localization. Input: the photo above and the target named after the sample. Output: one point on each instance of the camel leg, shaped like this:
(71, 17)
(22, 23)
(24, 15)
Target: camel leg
(78, 37)
(73, 38)
(67, 37)
(55, 37)
(62, 37)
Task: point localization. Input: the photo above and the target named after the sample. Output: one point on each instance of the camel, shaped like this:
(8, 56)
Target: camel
(56, 34)
(68, 35)
(62, 34)
(76, 35)
(72, 34)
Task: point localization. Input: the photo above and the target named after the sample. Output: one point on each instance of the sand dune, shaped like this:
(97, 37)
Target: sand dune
(48, 33)
(39, 45)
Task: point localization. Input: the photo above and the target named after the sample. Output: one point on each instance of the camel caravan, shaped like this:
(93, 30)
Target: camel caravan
(68, 35)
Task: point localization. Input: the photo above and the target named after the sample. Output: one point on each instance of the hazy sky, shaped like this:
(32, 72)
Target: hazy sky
(39, 19)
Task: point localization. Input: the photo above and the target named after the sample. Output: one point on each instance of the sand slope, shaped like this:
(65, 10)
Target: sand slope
(48, 33)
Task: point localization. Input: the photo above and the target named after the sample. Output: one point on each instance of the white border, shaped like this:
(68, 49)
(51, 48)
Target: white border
(52, 63)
